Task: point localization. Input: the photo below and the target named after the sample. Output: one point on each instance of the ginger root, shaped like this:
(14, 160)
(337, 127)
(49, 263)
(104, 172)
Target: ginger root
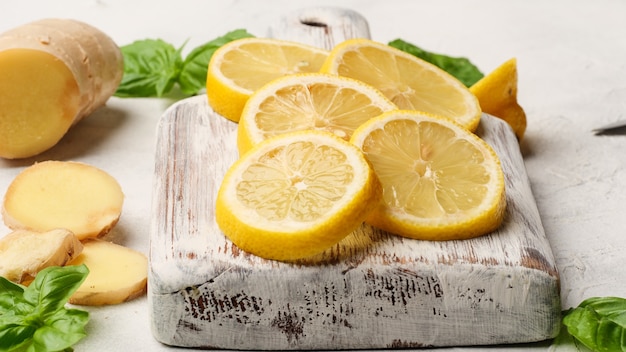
(53, 72)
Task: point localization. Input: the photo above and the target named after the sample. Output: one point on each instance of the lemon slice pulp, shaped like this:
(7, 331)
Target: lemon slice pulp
(295, 195)
(409, 82)
(440, 182)
(308, 101)
(242, 66)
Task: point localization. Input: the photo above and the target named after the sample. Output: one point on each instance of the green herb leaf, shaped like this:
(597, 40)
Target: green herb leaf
(193, 74)
(15, 336)
(151, 68)
(599, 323)
(459, 67)
(53, 287)
(38, 319)
(8, 292)
(62, 330)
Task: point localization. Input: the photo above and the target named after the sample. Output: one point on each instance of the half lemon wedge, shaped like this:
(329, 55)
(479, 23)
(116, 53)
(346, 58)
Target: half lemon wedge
(295, 195)
(242, 66)
(409, 82)
(497, 94)
(308, 101)
(440, 181)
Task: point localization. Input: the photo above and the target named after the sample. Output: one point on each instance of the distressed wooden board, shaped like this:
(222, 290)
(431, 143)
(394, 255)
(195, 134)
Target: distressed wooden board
(380, 291)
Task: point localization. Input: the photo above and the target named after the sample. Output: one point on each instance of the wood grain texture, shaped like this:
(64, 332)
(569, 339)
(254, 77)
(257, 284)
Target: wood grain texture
(372, 290)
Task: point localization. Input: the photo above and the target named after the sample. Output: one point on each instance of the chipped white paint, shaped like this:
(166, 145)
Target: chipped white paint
(380, 291)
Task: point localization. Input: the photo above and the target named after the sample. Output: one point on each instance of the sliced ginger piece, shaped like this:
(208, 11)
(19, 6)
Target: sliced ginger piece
(63, 194)
(24, 253)
(116, 274)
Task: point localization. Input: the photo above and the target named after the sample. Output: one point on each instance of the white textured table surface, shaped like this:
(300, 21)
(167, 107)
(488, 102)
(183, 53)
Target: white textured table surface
(571, 59)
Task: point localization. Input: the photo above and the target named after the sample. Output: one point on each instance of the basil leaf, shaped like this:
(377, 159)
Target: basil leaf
(459, 67)
(15, 336)
(62, 330)
(194, 71)
(8, 293)
(53, 286)
(7, 286)
(151, 68)
(599, 323)
(39, 321)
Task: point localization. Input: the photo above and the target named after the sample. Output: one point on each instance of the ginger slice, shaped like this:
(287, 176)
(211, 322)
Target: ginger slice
(24, 253)
(63, 194)
(116, 274)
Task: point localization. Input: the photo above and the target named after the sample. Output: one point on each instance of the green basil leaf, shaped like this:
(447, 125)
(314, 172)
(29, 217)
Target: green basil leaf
(193, 74)
(459, 67)
(39, 320)
(151, 68)
(9, 295)
(14, 336)
(599, 323)
(52, 288)
(63, 330)
(7, 286)
(21, 308)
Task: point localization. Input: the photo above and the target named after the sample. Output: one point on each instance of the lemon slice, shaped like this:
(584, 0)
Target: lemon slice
(409, 82)
(497, 94)
(295, 195)
(440, 181)
(242, 66)
(309, 101)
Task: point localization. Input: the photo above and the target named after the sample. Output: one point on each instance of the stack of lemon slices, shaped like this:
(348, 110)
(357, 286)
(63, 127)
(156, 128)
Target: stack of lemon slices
(329, 140)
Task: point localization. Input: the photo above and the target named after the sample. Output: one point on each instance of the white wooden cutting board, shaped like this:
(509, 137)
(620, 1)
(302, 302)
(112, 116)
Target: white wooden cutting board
(382, 292)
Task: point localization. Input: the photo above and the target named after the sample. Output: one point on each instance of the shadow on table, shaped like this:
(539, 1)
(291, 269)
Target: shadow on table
(84, 138)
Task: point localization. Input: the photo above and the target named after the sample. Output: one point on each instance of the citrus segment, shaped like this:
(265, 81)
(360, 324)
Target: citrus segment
(242, 66)
(295, 195)
(308, 101)
(440, 182)
(497, 94)
(409, 82)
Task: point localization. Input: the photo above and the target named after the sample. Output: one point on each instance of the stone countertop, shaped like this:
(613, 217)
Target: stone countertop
(571, 58)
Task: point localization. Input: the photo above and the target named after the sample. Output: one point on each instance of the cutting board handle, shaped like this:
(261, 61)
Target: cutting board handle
(323, 27)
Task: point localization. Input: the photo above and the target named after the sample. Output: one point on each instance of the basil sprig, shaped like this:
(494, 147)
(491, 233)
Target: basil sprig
(459, 67)
(152, 67)
(599, 323)
(35, 318)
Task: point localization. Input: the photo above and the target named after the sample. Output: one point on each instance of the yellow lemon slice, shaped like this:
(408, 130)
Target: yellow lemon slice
(242, 66)
(497, 94)
(308, 101)
(409, 82)
(440, 181)
(295, 195)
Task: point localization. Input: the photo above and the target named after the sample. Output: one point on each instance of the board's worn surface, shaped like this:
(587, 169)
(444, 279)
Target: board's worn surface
(373, 290)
